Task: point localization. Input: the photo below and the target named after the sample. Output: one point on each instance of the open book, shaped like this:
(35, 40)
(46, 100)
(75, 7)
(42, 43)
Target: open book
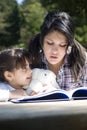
(56, 95)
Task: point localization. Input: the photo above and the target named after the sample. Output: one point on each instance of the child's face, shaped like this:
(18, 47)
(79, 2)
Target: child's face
(21, 76)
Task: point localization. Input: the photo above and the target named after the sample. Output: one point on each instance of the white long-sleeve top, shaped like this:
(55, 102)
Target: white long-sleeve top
(4, 91)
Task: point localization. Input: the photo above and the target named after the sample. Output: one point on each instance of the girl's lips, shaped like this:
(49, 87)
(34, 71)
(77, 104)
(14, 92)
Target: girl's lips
(53, 57)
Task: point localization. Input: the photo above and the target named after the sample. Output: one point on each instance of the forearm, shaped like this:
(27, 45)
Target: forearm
(5, 95)
(17, 94)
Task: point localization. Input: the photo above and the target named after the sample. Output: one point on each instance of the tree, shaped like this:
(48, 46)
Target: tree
(74, 7)
(9, 23)
(32, 13)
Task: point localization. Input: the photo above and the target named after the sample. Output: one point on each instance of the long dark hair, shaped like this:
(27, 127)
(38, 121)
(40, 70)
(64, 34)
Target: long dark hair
(62, 22)
(59, 21)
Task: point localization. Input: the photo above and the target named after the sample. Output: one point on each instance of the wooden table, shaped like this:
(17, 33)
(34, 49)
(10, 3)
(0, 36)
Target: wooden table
(61, 115)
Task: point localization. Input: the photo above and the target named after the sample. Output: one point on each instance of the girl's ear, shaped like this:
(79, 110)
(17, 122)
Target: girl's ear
(8, 75)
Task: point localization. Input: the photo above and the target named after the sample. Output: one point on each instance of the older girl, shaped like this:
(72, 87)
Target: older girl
(56, 49)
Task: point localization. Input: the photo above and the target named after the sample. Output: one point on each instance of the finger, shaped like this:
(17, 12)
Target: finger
(33, 93)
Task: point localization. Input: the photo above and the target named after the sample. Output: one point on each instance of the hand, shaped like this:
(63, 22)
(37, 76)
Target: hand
(46, 88)
(33, 93)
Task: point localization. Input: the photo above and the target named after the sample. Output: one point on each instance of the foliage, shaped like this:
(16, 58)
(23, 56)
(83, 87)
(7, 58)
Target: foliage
(32, 13)
(81, 35)
(9, 23)
(18, 23)
(74, 7)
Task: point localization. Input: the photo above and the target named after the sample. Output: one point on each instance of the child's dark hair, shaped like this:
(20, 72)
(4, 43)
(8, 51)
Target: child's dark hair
(12, 58)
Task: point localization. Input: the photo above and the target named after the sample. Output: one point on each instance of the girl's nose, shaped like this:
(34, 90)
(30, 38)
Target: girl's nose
(55, 49)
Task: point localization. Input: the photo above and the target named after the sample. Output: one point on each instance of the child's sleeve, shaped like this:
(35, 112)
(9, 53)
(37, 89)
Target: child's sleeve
(4, 92)
(4, 95)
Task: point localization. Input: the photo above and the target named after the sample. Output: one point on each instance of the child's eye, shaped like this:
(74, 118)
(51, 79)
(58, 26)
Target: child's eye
(24, 68)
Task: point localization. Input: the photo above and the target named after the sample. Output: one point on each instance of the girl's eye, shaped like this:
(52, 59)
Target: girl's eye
(49, 43)
(63, 45)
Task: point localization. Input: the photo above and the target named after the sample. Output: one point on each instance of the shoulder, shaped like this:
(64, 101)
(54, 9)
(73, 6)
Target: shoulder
(5, 86)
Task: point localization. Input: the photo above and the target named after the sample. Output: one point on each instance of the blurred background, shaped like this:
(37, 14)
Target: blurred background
(20, 20)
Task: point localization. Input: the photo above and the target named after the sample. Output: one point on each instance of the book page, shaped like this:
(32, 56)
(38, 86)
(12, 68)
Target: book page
(52, 95)
(55, 95)
(80, 93)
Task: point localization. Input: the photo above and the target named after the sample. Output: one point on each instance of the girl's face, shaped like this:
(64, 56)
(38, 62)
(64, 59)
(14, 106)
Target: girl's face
(54, 47)
(21, 77)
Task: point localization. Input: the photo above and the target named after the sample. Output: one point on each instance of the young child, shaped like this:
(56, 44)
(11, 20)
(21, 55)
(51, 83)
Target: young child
(14, 73)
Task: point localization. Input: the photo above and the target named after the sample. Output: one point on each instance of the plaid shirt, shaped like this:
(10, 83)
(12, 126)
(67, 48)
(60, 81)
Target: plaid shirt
(66, 80)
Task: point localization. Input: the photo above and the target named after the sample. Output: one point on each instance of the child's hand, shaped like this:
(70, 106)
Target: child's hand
(46, 88)
(17, 93)
(33, 93)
